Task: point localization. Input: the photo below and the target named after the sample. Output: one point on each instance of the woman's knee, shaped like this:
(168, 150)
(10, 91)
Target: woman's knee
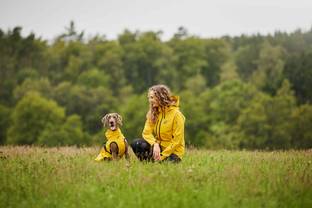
(141, 149)
(140, 145)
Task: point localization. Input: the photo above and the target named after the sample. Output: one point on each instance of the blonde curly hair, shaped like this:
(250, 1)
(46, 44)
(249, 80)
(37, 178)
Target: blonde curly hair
(163, 96)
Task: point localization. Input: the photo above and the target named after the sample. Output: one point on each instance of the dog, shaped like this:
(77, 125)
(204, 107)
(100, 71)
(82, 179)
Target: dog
(116, 146)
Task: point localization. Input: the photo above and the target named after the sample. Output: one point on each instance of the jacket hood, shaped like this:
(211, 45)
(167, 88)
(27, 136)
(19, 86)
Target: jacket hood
(174, 105)
(176, 101)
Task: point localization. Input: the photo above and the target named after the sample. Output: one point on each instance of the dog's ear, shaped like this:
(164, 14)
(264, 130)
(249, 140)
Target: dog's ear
(119, 119)
(105, 120)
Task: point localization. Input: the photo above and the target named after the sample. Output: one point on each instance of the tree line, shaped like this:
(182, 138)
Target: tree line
(245, 92)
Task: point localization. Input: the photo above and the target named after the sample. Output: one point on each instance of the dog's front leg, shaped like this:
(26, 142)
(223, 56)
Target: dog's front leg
(114, 150)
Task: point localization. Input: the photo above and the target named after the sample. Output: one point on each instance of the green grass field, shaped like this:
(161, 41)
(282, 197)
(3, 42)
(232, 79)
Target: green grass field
(68, 177)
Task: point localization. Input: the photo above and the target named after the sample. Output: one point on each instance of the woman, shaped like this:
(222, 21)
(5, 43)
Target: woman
(164, 128)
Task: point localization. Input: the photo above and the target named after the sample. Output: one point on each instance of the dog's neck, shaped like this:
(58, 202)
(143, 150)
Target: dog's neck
(114, 134)
(113, 130)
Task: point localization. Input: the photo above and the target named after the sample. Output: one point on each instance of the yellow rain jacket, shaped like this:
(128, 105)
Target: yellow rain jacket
(112, 136)
(167, 131)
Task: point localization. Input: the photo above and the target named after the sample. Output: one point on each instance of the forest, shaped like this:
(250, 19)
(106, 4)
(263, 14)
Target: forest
(244, 92)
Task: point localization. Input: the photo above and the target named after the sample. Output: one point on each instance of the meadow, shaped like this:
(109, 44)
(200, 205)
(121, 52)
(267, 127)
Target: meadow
(68, 177)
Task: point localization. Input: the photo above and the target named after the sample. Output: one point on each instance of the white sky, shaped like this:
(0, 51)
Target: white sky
(205, 18)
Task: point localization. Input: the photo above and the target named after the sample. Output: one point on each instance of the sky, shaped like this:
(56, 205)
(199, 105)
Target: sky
(203, 18)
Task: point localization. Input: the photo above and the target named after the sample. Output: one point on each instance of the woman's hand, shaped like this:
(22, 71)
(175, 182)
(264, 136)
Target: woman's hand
(156, 152)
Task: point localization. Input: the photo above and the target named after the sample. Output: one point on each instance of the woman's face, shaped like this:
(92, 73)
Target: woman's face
(152, 99)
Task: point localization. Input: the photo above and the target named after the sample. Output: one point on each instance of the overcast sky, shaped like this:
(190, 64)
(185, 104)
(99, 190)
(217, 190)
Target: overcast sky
(205, 18)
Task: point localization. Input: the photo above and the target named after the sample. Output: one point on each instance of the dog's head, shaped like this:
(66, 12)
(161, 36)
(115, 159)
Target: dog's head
(112, 121)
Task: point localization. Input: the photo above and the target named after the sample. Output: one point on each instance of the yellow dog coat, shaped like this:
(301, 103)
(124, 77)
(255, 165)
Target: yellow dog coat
(112, 136)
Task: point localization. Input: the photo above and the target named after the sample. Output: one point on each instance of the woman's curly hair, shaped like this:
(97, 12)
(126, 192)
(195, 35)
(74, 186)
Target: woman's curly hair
(163, 95)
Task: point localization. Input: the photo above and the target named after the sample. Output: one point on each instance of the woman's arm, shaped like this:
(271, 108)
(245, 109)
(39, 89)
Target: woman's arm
(148, 132)
(149, 137)
(178, 135)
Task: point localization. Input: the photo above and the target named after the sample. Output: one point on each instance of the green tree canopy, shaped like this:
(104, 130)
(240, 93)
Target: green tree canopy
(31, 116)
(5, 121)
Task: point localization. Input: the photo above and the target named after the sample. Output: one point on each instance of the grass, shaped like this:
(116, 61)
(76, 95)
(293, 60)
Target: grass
(68, 177)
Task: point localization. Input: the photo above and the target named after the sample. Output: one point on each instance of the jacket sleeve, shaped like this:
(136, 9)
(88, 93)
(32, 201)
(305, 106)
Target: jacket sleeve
(148, 132)
(177, 137)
